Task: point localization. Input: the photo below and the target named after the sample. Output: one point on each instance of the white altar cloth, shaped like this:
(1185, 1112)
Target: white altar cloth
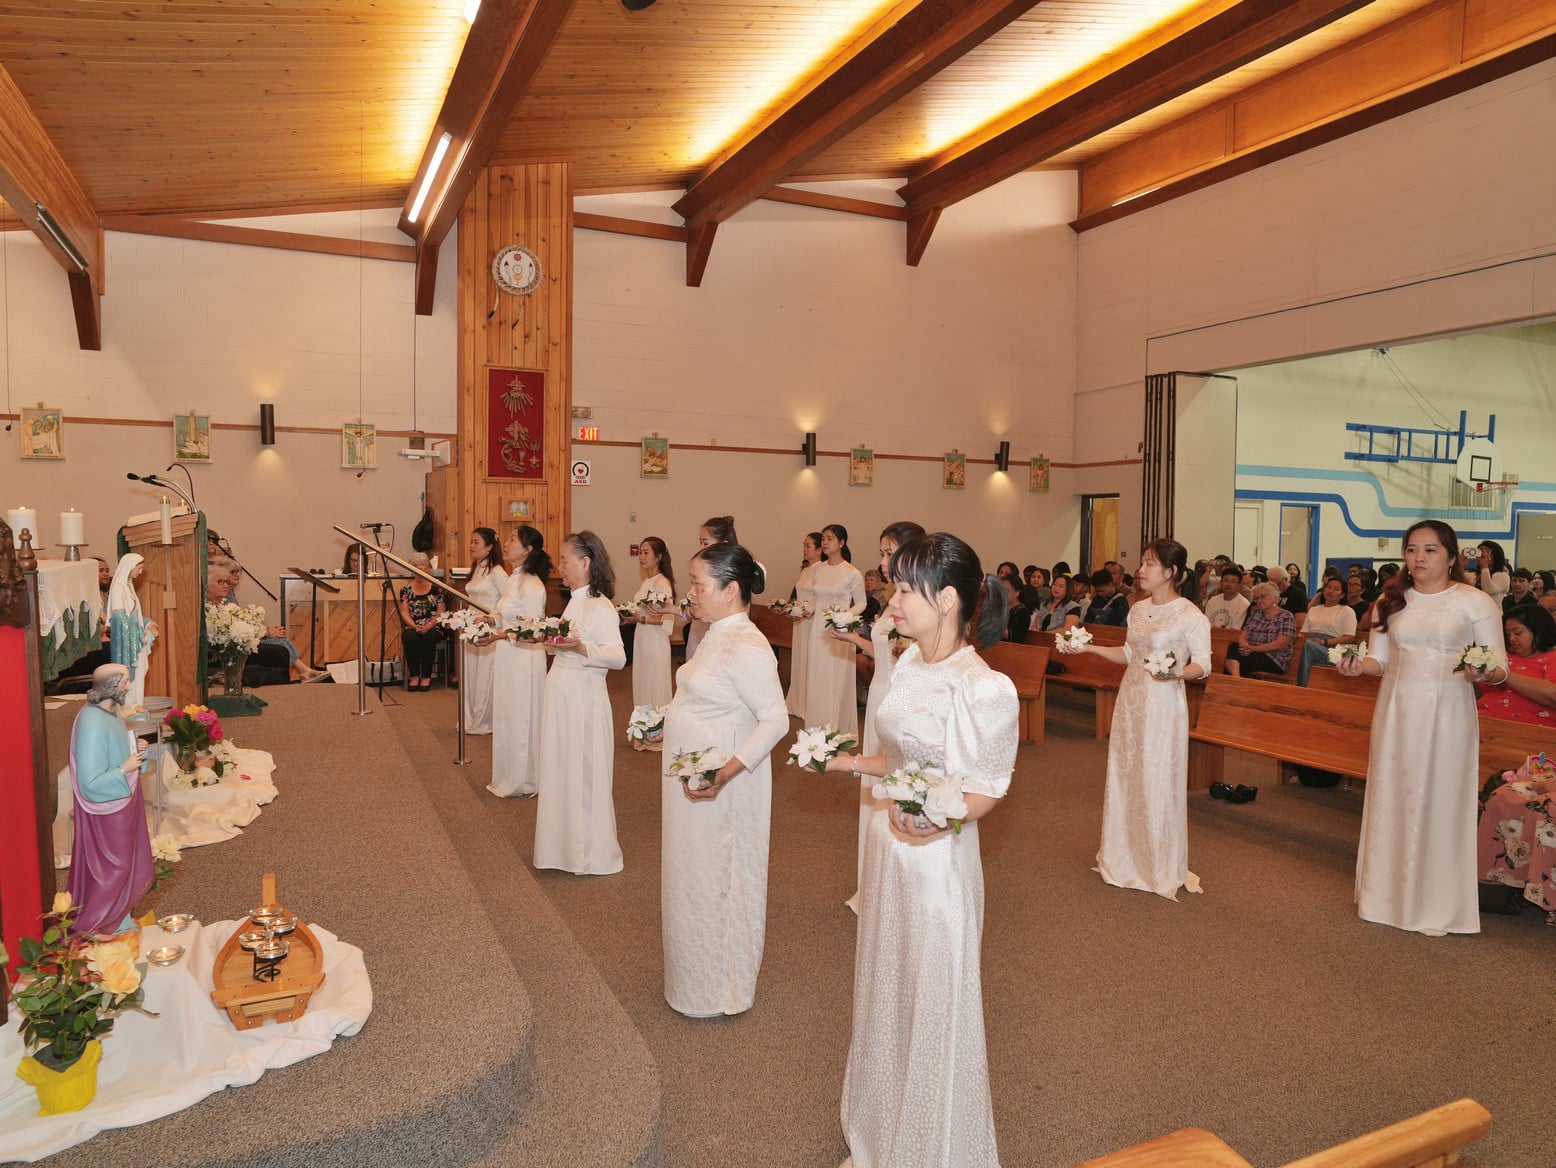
(64, 586)
(154, 1067)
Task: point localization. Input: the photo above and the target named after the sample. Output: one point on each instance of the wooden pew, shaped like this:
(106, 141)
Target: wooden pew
(1293, 725)
(1432, 1139)
(1505, 745)
(1027, 668)
(775, 626)
(1362, 686)
(1088, 671)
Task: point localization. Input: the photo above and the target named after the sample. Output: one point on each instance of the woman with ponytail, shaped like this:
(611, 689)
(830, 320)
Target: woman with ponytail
(1145, 807)
(831, 678)
(1415, 866)
(713, 878)
(485, 585)
(518, 667)
(917, 1048)
(719, 529)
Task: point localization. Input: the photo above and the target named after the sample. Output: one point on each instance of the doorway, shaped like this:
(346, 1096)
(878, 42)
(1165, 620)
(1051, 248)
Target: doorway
(1299, 539)
(1099, 531)
(1248, 533)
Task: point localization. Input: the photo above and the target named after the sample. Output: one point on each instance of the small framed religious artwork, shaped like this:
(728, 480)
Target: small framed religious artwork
(954, 477)
(515, 438)
(43, 432)
(359, 446)
(861, 467)
(192, 437)
(1038, 479)
(655, 460)
(518, 510)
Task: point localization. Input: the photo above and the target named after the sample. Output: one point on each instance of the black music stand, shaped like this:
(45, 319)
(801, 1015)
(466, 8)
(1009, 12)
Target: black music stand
(313, 609)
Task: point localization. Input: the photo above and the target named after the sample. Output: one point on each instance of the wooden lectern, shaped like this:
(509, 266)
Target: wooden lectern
(172, 593)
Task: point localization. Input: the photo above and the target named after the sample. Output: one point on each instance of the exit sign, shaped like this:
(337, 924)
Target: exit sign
(588, 433)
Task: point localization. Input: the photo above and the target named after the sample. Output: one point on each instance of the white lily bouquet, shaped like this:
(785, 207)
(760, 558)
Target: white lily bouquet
(1341, 653)
(626, 611)
(646, 726)
(201, 776)
(655, 598)
(842, 619)
(1160, 664)
(814, 747)
(234, 630)
(465, 625)
(696, 768)
(1481, 657)
(526, 629)
(554, 628)
(927, 794)
(1071, 640)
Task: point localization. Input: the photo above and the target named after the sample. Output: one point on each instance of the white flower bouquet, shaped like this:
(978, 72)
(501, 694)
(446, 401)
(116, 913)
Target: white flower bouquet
(626, 611)
(465, 624)
(233, 630)
(696, 768)
(1160, 664)
(842, 619)
(646, 726)
(165, 852)
(814, 747)
(525, 629)
(928, 794)
(655, 598)
(201, 776)
(1356, 650)
(554, 628)
(1481, 657)
(1071, 640)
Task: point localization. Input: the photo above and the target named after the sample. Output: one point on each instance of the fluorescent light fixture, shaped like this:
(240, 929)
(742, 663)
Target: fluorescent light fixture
(438, 154)
(60, 237)
(471, 8)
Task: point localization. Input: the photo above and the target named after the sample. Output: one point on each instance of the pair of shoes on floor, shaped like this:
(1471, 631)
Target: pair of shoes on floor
(1231, 794)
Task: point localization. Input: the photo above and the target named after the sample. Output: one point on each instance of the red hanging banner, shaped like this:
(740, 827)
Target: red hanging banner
(515, 424)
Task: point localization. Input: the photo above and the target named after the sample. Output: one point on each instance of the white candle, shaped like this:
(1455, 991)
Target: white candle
(21, 518)
(72, 527)
(167, 522)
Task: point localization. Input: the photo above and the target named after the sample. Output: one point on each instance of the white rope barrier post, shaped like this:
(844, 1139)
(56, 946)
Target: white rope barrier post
(464, 680)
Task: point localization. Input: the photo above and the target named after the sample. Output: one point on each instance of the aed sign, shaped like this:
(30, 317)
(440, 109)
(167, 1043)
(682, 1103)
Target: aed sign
(581, 472)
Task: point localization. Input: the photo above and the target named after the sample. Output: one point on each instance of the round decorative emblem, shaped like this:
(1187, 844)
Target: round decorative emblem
(516, 270)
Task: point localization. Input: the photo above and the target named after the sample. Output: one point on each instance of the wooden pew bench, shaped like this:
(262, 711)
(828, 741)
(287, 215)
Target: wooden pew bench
(1027, 668)
(1089, 672)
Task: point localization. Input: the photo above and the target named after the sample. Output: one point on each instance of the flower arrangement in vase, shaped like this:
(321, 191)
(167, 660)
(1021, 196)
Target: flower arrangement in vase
(234, 631)
(196, 731)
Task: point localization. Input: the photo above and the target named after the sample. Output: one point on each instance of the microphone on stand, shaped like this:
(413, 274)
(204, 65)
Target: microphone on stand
(374, 526)
(141, 478)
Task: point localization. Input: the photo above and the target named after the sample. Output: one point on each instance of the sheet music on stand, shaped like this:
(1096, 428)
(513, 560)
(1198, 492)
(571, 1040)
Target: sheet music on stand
(313, 609)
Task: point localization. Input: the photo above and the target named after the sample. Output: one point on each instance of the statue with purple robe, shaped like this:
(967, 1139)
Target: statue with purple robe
(110, 865)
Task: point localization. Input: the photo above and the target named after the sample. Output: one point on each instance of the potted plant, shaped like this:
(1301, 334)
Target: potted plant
(69, 991)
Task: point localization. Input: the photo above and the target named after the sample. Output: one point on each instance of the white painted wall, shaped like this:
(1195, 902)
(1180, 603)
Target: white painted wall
(1435, 222)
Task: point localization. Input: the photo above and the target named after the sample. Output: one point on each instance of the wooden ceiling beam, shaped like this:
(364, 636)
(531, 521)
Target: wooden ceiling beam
(172, 227)
(894, 58)
(33, 172)
(1066, 116)
(504, 50)
(1448, 48)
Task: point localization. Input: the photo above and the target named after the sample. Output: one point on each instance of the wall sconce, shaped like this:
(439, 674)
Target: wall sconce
(267, 424)
(809, 449)
(1002, 457)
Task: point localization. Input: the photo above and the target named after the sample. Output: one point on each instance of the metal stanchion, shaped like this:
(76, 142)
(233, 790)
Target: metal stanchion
(464, 680)
(362, 710)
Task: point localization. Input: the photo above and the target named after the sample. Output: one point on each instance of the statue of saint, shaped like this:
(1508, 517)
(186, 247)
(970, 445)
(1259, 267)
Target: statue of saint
(130, 631)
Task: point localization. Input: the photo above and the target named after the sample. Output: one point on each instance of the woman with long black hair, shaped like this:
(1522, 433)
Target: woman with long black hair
(518, 667)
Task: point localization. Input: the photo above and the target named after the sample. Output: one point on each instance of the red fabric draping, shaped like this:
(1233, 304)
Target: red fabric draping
(20, 896)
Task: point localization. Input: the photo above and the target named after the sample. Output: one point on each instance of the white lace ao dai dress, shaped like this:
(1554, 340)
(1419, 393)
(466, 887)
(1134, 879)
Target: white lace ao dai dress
(485, 588)
(916, 1093)
(651, 649)
(518, 690)
(1415, 867)
(799, 656)
(575, 821)
(713, 883)
(1145, 806)
(831, 683)
(880, 683)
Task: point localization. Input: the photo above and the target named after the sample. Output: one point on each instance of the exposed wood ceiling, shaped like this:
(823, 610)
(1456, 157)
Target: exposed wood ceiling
(220, 108)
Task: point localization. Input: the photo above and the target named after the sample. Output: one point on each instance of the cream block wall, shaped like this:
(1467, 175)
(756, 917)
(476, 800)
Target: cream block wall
(1437, 221)
(220, 328)
(810, 320)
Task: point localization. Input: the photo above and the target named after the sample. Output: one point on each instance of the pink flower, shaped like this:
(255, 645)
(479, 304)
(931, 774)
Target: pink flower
(208, 717)
(245, 778)
(214, 733)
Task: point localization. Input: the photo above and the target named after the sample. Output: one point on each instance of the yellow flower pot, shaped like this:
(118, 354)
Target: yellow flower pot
(67, 1090)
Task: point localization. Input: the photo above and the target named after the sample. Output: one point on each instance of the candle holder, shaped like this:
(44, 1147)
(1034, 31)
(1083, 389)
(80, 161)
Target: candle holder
(72, 551)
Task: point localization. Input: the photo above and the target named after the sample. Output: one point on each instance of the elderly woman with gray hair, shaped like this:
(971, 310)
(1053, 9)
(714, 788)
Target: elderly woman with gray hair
(1268, 634)
(421, 603)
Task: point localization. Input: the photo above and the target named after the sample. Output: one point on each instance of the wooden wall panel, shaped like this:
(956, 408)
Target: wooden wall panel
(531, 205)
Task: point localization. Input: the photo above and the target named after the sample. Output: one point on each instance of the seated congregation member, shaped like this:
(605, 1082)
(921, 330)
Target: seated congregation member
(1293, 597)
(1061, 612)
(275, 642)
(1227, 608)
(1518, 593)
(1019, 621)
(1108, 605)
(575, 822)
(1529, 694)
(1328, 623)
(1543, 589)
(1036, 592)
(1268, 634)
(1355, 597)
(421, 604)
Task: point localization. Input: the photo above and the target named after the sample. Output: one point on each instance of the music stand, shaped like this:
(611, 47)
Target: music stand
(313, 610)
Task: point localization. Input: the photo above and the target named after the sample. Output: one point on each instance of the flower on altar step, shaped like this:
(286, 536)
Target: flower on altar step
(61, 902)
(165, 848)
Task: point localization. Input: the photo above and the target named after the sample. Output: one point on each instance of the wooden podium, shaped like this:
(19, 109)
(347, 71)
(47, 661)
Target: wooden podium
(172, 593)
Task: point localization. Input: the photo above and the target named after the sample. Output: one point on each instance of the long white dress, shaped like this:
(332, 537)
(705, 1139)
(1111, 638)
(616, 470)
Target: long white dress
(575, 822)
(916, 1092)
(651, 649)
(831, 683)
(1145, 808)
(518, 690)
(1415, 867)
(880, 683)
(799, 656)
(485, 588)
(713, 883)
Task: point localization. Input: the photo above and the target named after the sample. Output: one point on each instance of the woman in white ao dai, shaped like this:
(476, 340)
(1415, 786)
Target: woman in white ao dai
(487, 577)
(799, 655)
(831, 684)
(713, 883)
(651, 643)
(916, 1091)
(518, 668)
